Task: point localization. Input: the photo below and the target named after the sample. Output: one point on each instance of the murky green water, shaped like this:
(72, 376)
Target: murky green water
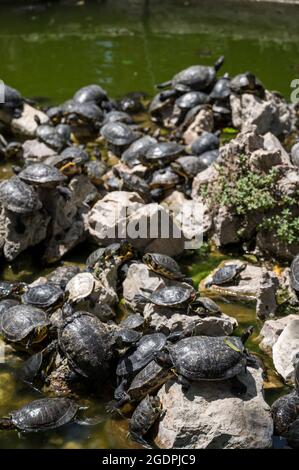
(50, 51)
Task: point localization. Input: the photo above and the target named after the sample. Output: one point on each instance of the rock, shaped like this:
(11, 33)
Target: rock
(203, 121)
(288, 184)
(203, 178)
(271, 331)
(261, 161)
(35, 151)
(208, 416)
(266, 305)
(269, 244)
(273, 144)
(166, 320)
(285, 349)
(226, 226)
(26, 125)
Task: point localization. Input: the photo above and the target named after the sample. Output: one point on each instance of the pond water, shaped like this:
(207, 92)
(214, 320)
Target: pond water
(48, 51)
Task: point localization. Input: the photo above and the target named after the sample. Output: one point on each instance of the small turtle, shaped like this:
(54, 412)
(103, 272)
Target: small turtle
(163, 264)
(11, 289)
(70, 160)
(132, 182)
(205, 142)
(40, 174)
(132, 156)
(177, 296)
(295, 154)
(80, 114)
(226, 275)
(62, 275)
(206, 305)
(247, 83)
(38, 365)
(212, 358)
(118, 134)
(41, 415)
(191, 99)
(132, 103)
(135, 321)
(117, 116)
(56, 137)
(114, 255)
(80, 287)
(91, 93)
(96, 256)
(55, 114)
(143, 418)
(294, 274)
(44, 296)
(221, 90)
(164, 178)
(18, 197)
(188, 166)
(196, 77)
(161, 106)
(95, 170)
(206, 159)
(6, 304)
(162, 153)
(24, 325)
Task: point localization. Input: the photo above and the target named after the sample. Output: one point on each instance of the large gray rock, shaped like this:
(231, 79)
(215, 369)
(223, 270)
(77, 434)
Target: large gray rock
(271, 331)
(35, 151)
(208, 416)
(285, 349)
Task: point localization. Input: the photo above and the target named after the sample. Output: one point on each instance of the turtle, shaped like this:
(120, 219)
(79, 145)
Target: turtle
(6, 304)
(132, 182)
(117, 116)
(56, 137)
(161, 106)
(44, 296)
(18, 197)
(221, 90)
(132, 102)
(12, 106)
(178, 296)
(205, 142)
(135, 321)
(206, 159)
(188, 166)
(195, 78)
(226, 275)
(10, 150)
(138, 148)
(207, 306)
(293, 435)
(295, 154)
(79, 114)
(41, 415)
(285, 410)
(208, 358)
(24, 325)
(294, 273)
(97, 256)
(143, 418)
(55, 114)
(11, 289)
(163, 265)
(164, 178)
(118, 134)
(191, 99)
(62, 275)
(161, 154)
(41, 174)
(113, 255)
(38, 365)
(95, 170)
(70, 161)
(80, 287)
(247, 83)
(91, 93)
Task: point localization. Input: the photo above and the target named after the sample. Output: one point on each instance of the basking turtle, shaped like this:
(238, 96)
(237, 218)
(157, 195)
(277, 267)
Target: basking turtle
(212, 358)
(117, 116)
(133, 155)
(161, 106)
(70, 161)
(247, 83)
(24, 325)
(162, 153)
(132, 182)
(78, 115)
(62, 275)
(95, 170)
(204, 143)
(188, 166)
(294, 274)
(179, 296)
(132, 103)
(226, 275)
(113, 255)
(41, 415)
(44, 296)
(206, 159)
(163, 264)
(196, 77)
(11, 289)
(164, 178)
(91, 93)
(118, 134)
(221, 90)
(40, 174)
(143, 418)
(18, 197)
(80, 287)
(56, 137)
(135, 321)
(191, 99)
(206, 305)
(38, 365)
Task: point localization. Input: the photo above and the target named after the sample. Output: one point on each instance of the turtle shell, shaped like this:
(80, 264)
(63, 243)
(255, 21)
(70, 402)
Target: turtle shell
(164, 178)
(44, 414)
(207, 158)
(148, 380)
(18, 197)
(88, 111)
(19, 321)
(284, 412)
(225, 274)
(171, 296)
(55, 137)
(118, 133)
(62, 275)
(205, 142)
(84, 340)
(80, 286)
(295, 154)
(144, 416)
(208, 304)
(137, 149)
(41, 174)
(95, 257)
(43, 295)
(189, 165)
(163, 264)
(7, 304)
(132, 322)
(294, 275)
(191, 99)
(195, 77)
(90, 93)
(118, 116)
(163, 151)
(208, 357)
(76, 154)
(221, 90)
(144, 353)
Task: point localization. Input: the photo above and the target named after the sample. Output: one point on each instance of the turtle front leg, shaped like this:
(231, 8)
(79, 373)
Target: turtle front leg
(237, 387)
(6, 424)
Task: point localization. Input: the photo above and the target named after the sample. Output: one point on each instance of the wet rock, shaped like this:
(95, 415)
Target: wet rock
(26, 124)
(166, 320)
(209, 416)
(203, 121)
(271, 331)
(35, 151)
(266, 305)
(285, 349)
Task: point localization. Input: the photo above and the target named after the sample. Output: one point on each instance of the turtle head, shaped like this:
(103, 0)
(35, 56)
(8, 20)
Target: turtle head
(246, 334)
(163, 358)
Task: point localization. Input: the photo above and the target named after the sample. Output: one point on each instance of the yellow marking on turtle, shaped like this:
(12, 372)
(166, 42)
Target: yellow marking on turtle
(232, 345)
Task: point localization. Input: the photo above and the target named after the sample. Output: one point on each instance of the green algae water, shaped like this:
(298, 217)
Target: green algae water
(48, 51)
